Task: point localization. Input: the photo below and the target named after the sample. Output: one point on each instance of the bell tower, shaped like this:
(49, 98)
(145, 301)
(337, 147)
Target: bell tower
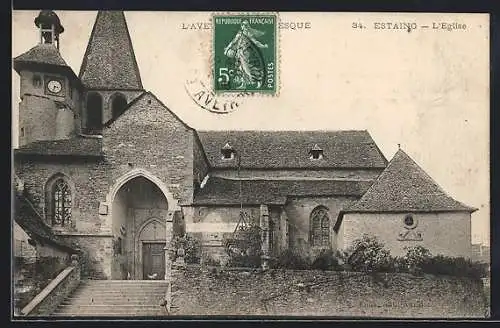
(49, 89)
(109, 72)
(50, 27)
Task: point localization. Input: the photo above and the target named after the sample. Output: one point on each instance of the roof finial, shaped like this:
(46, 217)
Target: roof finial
(399, 146)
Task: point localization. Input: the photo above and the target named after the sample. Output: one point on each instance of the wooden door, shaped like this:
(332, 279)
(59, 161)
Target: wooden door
(153, 261)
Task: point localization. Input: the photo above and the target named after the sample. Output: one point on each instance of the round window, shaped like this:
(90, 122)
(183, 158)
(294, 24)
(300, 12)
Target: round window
(410, 222)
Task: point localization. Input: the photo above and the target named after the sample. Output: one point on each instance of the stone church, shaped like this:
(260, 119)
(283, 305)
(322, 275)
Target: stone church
(104, 165)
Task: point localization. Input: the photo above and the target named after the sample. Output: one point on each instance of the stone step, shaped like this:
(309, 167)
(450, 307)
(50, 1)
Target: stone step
(88, 295)
(122, 291)
(131, 282)
(111, 313)
(110, 310)
(107, 287)
(148, 315)
(128, 300)
(122, 308)
(111, 301)
(124, 285)
(115, 298)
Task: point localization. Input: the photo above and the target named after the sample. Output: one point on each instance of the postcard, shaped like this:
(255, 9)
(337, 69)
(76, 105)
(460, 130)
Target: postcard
(277, 164)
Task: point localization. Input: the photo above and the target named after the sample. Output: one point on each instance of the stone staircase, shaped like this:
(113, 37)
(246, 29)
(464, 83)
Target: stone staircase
(115, 298)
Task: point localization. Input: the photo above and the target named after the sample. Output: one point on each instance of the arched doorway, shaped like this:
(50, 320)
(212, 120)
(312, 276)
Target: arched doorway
(118, 105)
(94, 112)
(139, 212)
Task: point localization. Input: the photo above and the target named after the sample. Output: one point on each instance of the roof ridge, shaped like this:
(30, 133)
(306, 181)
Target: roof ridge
(136, 99)
(87, 49)
(405, 187)
(432, 180)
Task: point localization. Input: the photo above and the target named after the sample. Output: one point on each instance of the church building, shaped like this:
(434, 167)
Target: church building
(106, 167)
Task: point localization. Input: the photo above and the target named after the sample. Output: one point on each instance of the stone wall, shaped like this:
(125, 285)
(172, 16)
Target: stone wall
(90, 184)
(51, 296)
(442, 233)
(97, 254)
(149, 136)
(37, 111)
(322, 293)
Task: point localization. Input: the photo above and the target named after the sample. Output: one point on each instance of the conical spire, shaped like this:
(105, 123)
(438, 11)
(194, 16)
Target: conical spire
(109, 61)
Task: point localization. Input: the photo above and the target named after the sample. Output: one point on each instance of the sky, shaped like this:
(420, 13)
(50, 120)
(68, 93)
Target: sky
(427, 89)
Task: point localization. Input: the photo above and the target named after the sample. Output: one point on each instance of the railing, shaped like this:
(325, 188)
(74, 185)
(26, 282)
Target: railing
(47, 301)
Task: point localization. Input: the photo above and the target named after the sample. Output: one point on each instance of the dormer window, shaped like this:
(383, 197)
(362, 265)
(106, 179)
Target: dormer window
(227, 152)
(316, 153)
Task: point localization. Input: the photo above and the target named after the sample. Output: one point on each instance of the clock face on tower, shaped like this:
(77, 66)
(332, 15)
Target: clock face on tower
(54, 86)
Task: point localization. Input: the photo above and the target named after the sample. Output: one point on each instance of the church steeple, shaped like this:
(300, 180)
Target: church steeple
(109, 62)
(49, 90)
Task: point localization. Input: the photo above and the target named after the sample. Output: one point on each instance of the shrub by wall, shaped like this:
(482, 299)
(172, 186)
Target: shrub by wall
(190, 245)
(369, 255)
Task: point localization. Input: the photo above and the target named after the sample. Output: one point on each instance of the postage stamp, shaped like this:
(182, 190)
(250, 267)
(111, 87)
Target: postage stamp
(244, 53)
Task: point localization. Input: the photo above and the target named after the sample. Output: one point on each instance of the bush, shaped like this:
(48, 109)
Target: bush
(369, 255)
(399, 264)
(454, 266)
(290, 260)
(416, 257)
(191, 246)
(327, 260)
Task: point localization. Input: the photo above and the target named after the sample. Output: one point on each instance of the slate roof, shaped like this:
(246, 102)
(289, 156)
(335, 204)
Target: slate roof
(45, 57)
(43, 53)
(77, 146)
(405, 187)
(221, 191)
(30, 221)
(290, 149)
(109, 61)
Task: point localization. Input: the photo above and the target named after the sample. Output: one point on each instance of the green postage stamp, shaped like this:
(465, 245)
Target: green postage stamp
(244, 53)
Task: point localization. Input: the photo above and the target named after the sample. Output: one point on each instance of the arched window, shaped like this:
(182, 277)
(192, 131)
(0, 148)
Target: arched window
(61, 203)
(320, 227)
(94, 112)
(118, 105)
